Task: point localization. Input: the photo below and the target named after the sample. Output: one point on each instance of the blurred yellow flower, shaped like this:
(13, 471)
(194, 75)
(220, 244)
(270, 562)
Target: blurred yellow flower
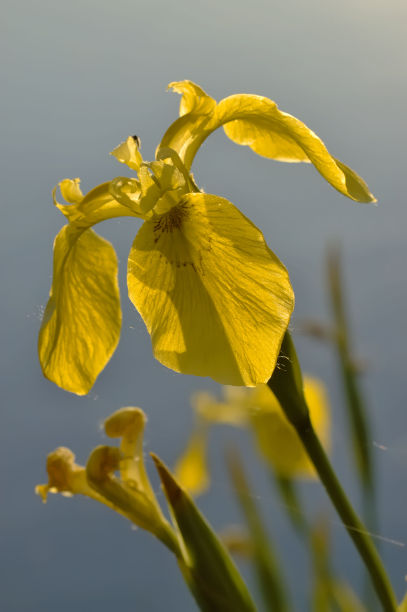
(256, 409)
(277, 439)
(191, 470)
(216, 301)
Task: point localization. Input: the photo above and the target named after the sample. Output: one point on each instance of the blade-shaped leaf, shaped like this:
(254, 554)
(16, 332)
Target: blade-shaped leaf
(210, 571)
(265, 560)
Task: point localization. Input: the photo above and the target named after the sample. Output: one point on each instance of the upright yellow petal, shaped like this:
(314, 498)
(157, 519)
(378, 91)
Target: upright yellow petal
(128, 153)
(81, 324)
(128, 424)
(197, 120)
(194, 98)
(214, 298)
(257, 122)
(130, 194)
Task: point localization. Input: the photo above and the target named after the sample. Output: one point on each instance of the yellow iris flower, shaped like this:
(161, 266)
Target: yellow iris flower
(256, 409)
(130, 493)
(117, 477)
(216, 301)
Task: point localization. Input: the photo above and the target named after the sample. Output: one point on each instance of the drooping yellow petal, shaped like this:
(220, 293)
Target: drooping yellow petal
(257, 122)
(81, 324)
(261, 128)
(214, 298)
(197, 120)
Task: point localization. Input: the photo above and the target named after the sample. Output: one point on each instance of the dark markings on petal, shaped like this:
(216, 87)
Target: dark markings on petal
(171, 220)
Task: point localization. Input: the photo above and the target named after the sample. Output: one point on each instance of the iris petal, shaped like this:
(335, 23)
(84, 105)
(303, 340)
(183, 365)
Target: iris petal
(257, 122)
(81, 324)
(214, 298)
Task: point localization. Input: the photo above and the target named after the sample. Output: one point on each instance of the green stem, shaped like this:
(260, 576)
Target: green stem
(286, 384)
(357, 412)
(265, 561)
(289, 495)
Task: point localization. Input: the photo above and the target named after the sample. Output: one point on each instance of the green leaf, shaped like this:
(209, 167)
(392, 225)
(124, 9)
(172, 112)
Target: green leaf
(209, 570)
(355, 404)
(268, 571)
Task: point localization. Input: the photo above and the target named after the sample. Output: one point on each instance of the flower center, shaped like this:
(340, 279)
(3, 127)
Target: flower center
(172, 219)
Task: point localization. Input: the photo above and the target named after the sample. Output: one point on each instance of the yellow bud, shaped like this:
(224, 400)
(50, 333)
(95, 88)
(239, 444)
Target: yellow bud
(64, 476)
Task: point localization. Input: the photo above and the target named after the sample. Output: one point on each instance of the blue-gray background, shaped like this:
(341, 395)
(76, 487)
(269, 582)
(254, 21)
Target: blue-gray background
(77, 78)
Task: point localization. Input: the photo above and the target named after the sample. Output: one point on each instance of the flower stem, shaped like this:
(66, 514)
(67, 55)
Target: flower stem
(286, 384)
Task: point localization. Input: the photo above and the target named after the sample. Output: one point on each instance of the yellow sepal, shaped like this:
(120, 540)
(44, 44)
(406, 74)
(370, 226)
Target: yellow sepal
(216, 301)
(257, 122)
(81, 324)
